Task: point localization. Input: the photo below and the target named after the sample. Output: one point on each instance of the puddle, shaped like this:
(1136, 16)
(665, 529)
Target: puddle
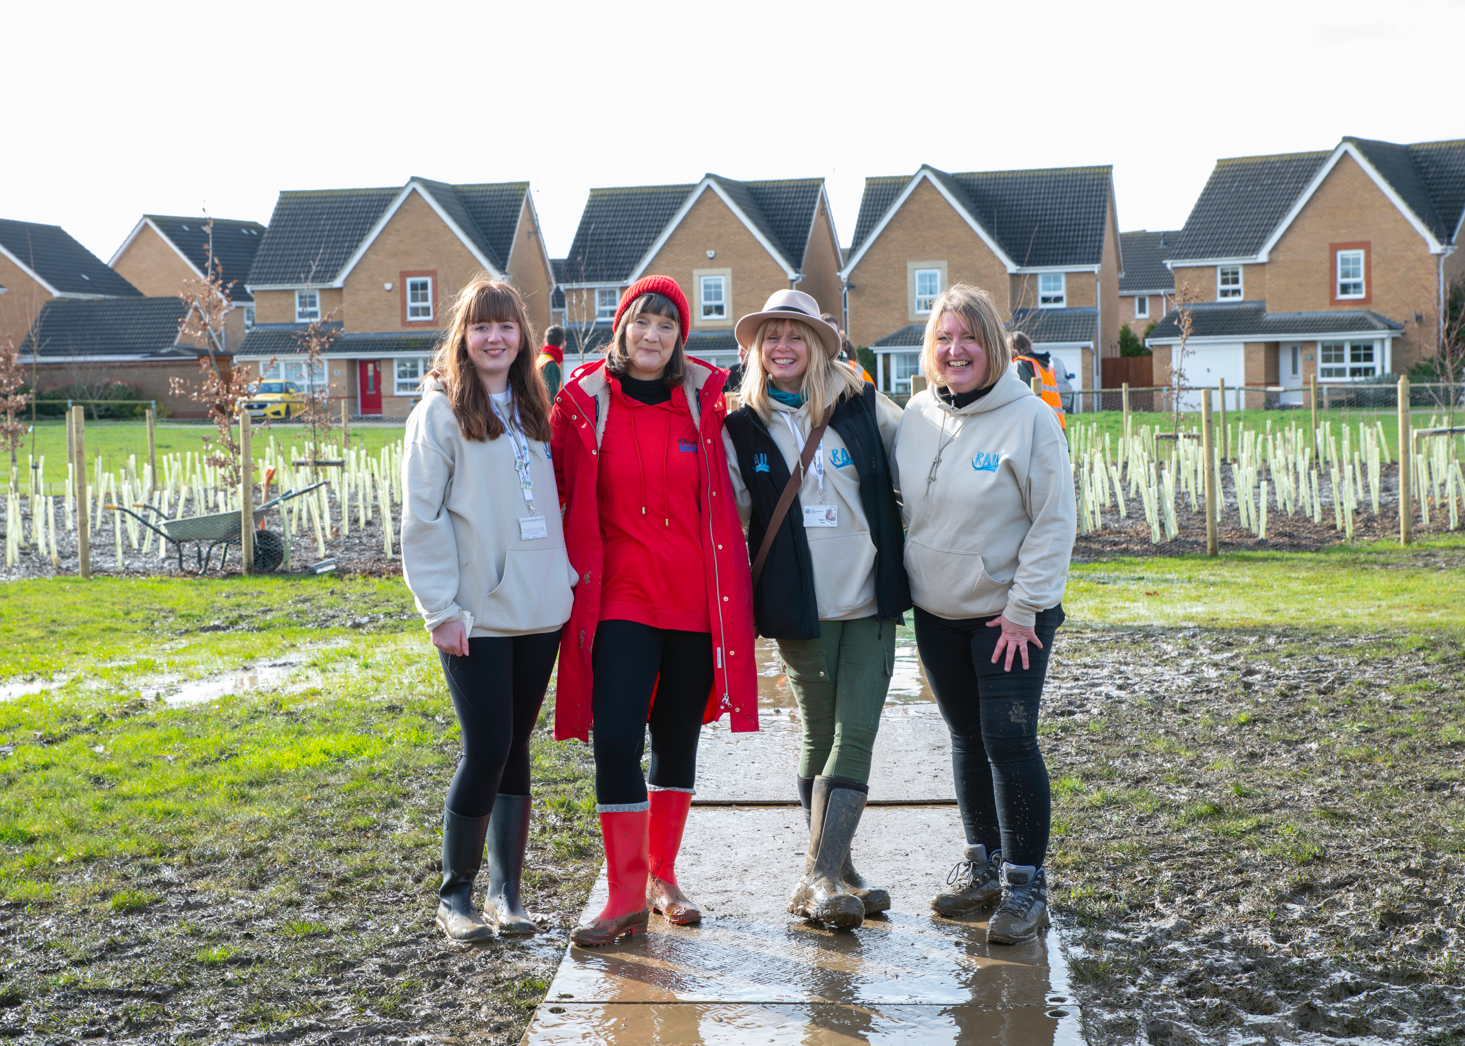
(907, 682)
(10, 691)
(177, 693)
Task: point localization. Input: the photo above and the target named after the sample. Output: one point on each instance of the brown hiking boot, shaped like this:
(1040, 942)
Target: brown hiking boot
(1024, 908)
(974, 882)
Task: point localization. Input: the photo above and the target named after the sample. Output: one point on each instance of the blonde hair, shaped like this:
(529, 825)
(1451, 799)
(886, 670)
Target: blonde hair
(981, 318)
(825, 381)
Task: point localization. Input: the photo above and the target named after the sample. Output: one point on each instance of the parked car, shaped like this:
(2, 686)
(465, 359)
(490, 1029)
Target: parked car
(275, 399)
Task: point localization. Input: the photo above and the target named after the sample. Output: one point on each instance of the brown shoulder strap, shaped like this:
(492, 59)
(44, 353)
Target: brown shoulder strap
(787, 498)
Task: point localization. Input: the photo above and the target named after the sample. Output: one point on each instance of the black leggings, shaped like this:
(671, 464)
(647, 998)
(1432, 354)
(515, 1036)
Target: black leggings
(1001, 781)
(629, 660)
(497, 690)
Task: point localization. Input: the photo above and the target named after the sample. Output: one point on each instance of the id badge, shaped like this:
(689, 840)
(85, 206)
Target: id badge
(821, 515)
(531, 527)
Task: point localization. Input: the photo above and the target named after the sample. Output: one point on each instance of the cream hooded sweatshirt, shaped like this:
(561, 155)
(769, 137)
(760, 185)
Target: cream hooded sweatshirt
(462, 549)
(987, 499)
(843, 556)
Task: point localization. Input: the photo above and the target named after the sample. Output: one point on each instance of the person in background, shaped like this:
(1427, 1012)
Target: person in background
(1032, 364)
(987, 496)
(551, 362)
(846, 347)
(832, 589)
(664, 605)
(735, 372)
(484, 557)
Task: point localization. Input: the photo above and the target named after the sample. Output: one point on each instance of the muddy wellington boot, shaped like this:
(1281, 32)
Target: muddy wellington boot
(462, 857)
(624, 832)
(1024, 908)
(975, 883)
(508, 835)
(834, 816)
(874, 898)
(667, 821)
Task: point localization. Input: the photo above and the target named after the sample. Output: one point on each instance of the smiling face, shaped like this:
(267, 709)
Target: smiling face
(784, 354)
(492, 346)
(961, 362)
(650, 342)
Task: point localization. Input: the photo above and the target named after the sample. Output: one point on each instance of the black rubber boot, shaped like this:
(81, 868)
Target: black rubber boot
(462, 857)
(834, 817)
(874, 898)
(508, 834)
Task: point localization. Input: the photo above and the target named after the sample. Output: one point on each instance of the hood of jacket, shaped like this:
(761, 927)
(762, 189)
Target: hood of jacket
(1007, 388)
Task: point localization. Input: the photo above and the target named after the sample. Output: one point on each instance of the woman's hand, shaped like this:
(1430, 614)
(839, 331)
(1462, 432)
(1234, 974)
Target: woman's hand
(1014, 638)
(452, 638)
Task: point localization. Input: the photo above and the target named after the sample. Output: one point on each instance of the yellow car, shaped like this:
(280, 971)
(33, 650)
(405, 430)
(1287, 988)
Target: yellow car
(275, 400)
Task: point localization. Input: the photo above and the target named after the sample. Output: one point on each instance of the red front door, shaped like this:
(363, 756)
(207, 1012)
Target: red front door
(370, 374)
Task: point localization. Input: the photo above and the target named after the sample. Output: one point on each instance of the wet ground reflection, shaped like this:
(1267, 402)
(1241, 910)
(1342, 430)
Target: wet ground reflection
(907, 682)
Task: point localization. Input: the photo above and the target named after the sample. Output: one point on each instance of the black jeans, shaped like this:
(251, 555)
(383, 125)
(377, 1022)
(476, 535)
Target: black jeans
(1001, 781)
(631, 660)
(497, 690)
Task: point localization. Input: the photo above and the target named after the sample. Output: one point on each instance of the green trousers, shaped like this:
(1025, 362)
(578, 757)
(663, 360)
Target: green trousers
(840, 681)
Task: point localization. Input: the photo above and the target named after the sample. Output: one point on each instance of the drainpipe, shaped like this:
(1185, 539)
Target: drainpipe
(844, 301)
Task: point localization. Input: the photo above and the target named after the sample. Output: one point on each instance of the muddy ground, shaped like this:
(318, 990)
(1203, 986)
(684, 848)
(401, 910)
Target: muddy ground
(1260, 837)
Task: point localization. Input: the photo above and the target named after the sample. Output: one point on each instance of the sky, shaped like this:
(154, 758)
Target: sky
(119, 110)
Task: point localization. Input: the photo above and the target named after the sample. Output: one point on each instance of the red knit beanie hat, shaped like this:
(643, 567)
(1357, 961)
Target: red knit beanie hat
(667, 288)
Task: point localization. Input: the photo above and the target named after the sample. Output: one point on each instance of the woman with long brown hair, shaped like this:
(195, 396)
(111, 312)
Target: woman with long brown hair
(484, 555)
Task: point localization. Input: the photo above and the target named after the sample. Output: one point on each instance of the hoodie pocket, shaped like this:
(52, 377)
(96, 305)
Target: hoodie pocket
(952, 584)
(844, 572)
(533, 594)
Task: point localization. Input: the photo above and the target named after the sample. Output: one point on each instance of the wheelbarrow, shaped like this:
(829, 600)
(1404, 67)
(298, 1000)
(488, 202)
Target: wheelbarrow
(219, 530)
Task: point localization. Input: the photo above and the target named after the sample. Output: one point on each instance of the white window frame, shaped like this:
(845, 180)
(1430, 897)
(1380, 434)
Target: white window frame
(1224, 291)
(1347, 361)
(1361, 279)
(294, 370)
(248, 318)
(1051, 298)
(704, 304)
(923, 302)
(613, 294)
(302, 316)
(1141, 307)
(419, 316)
(886, 362)
(413, 381)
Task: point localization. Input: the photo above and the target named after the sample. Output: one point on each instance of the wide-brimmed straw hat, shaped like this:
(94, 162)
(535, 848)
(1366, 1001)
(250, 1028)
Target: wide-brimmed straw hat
(789, 305)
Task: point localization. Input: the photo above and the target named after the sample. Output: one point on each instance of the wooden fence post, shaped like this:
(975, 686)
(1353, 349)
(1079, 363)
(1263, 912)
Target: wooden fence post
(152, 448)
(918, 383)
(83, 513)
(1037, 386)
(345, 428)
(246, 495)
(1208, 448)
(1406, 468)
(1127, 423)
(1225, 433)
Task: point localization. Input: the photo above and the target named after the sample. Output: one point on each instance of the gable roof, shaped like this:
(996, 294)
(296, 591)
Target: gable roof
(1045, 218)
(109, 327)
(622, 228)
(234, 245)
(63, 266)
(1144, 262)
(316, 236)
(1250, 320)
(1079, 324)
(1250, 201)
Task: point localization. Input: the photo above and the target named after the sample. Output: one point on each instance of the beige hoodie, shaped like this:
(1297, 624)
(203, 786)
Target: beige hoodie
(462, 551)
(993, 531)
(843, 556)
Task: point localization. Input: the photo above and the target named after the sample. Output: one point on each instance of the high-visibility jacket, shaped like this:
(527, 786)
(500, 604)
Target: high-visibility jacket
(1050, 386)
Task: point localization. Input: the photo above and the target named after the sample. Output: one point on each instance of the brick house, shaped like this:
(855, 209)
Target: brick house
(1147, 288)
(381, 266)
(1332, 264)
(1043, 243)
(39, 263)
(162, 253)
(729, 244)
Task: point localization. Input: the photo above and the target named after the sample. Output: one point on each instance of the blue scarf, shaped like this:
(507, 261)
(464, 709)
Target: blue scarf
(788, 399)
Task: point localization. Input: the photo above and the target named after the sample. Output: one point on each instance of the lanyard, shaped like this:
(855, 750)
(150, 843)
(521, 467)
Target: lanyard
(521, 454)
(799, 442)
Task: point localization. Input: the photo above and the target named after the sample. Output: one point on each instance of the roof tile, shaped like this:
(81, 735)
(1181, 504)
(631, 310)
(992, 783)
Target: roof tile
(71, 327)
(235, 244)
(52, 254)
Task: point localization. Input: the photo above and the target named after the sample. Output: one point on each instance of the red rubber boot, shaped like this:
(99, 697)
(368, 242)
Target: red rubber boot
(668, 820)
(624, 832)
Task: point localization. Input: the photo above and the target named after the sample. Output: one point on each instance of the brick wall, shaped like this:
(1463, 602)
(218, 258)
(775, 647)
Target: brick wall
(153, 380)
(822, 264)
(925, 228)
(152, 266)
(21, 303)
(279, 306)
(529, 270)
(1107, 286)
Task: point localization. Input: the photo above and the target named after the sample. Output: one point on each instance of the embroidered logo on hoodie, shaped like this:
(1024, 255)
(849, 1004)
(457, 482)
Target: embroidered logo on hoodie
(985, 462)
(839, 458)
(760, 462)
(687, 446)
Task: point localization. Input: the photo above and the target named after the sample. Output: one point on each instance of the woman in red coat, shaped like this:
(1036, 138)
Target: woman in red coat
(662, 629)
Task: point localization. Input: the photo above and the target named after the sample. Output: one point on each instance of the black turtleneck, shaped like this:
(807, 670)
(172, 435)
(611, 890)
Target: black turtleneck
(648, 391)
(964, 399)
